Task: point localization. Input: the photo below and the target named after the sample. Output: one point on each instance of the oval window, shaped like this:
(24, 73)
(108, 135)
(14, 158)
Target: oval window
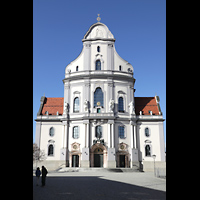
(51, 131)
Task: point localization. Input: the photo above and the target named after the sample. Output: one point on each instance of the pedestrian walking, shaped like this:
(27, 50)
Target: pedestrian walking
(44, 173)
(37, 173)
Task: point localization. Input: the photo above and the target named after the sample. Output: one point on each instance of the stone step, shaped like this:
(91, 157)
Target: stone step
(95, 169)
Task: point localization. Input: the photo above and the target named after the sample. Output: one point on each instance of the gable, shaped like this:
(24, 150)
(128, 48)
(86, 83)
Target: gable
(145, 104)
(98, 30)
(52, 105)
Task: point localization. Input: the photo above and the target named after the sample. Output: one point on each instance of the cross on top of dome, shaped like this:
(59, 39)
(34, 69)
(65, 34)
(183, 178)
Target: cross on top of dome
(98, 18)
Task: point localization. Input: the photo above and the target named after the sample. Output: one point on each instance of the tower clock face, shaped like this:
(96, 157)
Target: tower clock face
(98, 103)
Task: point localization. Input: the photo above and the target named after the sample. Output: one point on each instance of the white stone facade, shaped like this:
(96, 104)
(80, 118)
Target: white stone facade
(99, 99)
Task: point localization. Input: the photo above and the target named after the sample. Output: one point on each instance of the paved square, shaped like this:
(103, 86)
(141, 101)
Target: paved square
(100, 185)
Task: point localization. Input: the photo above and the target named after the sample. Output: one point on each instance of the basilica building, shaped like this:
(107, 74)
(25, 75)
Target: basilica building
(99, 122)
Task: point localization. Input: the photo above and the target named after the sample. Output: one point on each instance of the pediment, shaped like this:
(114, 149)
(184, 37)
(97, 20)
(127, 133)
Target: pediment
(75, 146)
(51, 141)
(76, 92)
(123, 146)
(121, 92)
(98, 30)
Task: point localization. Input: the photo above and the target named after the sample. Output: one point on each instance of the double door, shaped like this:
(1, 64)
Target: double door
(122, 160)
(75, 161)
(98, 160)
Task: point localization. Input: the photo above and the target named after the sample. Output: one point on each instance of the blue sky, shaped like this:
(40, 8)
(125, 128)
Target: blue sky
(139, 27)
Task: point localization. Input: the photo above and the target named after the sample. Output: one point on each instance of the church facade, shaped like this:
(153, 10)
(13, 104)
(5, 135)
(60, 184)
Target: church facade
(99, 122)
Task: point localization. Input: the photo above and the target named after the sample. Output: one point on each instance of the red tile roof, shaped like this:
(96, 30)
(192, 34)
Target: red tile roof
(145, 104)
(52, 105)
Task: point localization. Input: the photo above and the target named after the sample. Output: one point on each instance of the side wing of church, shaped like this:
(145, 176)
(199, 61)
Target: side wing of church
(99, 122)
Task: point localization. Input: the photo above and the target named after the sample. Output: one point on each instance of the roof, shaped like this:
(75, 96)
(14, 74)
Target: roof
(145, 104)
(98, 31)
(52, 105)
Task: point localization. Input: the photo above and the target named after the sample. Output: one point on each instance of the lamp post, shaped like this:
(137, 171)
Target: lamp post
(154, 157)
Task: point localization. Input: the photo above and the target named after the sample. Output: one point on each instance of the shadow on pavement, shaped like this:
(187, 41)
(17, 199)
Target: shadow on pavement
(94, 188)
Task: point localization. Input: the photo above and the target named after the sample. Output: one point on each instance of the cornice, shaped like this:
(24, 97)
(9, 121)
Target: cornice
(123, 76)
(103, 39)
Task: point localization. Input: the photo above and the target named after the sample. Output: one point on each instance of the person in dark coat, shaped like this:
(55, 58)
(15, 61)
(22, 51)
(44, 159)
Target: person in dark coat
(37, 174)
(44, 173)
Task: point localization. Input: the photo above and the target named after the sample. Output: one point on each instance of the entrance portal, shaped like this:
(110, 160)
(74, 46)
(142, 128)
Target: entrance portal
(98, 160)
(75, 160)
(122, 161)
(98, 155)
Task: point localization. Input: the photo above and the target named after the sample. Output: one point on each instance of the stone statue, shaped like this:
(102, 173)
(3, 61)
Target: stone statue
(131, 108)
(98, 132)
(66, 110)
(111, 105)
(85, 105)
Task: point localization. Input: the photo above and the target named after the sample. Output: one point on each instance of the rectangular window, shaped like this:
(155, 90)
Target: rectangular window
(121, 132)
(75, 132)
(76, 104)
(98, 97)
(98, 110)
(120, 104)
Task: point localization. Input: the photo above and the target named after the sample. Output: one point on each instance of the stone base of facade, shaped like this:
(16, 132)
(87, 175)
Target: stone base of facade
(51, 165)
(85, 163)
(149, 165)
(145, 166)
(135, 165)
(111, 164)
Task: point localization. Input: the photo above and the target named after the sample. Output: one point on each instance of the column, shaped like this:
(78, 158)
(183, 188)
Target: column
(87, 135)
(67, 142)
(110, 94)
(135, 146)
(87, 57)
(86, 94)
(111, 144)
(109, 134)
(63, 149)
(134, 162)
(112, 139)
(131, 136)
(85, 151)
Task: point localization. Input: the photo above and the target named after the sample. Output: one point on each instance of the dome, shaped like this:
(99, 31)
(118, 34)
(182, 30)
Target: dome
(98, 31)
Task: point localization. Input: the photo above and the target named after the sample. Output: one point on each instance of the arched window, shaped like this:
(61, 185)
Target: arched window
(147, 150)
(98, 65)
(146, 132)
(98, 132)
(121, 132)
(120, 68)
(120, 104)
(98, 48)
(50, 150)
(75, 132)
(76, 68)
(51, 131)
(76, 104)
(98, 97)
